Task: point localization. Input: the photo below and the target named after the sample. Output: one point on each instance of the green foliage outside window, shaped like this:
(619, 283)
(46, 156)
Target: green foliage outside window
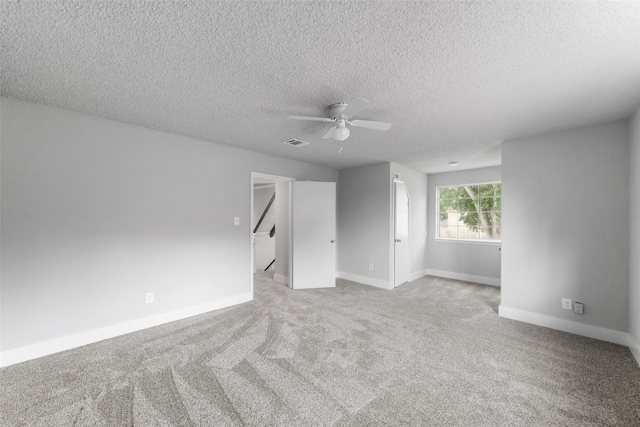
(470, 211)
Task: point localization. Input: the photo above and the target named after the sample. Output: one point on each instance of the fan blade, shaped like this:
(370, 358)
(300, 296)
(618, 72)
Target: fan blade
(354, 106)
(329, 134)
(371, 125)
(314, 119)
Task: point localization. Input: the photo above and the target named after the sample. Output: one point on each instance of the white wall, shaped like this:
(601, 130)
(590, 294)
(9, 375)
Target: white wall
(97, 213)
(364, 216)
(264, 247)
(477, 262)
(416, 184)
(634, 237)
(565, 229)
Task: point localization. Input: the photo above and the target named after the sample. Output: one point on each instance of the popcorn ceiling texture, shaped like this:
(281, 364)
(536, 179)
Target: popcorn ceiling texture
(454, 78)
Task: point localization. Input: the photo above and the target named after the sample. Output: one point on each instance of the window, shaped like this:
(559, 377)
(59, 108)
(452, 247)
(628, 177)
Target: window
(469, 212)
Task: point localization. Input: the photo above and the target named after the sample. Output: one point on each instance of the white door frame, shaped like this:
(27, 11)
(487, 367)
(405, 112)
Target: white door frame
(393, 230)
(274, 178)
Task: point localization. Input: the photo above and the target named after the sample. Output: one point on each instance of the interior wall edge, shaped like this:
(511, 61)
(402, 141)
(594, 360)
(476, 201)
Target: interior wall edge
(418, 274)
(582, 329)
(634, 346)
(281, 279)
(34, 351)
(483, 280)
(365, 280)
(634, 234)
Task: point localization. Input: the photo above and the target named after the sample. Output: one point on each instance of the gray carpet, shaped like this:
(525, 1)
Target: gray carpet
(430, 353)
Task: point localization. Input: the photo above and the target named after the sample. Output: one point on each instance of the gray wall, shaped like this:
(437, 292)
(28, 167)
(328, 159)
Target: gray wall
(565, 224)
(634, 237)
(473, 261)
(96, 213)
(365, 227)
(364, 216)
(416, 183)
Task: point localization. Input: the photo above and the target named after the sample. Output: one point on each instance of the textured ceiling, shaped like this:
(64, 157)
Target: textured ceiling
(454, 78)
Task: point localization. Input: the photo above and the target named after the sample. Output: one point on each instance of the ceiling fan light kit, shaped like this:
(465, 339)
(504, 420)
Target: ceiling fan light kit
(341, 133)
(340, 114)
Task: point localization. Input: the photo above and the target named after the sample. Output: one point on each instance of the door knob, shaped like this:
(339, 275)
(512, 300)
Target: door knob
(398, 240)
(333, 241)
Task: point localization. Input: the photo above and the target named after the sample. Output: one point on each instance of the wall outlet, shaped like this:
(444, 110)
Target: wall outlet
(578, 308)
(566, 303)
(149, 298)
(236, 220)
(370, 267)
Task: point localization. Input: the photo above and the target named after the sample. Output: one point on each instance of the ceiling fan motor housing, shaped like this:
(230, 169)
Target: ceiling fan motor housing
(335, 111)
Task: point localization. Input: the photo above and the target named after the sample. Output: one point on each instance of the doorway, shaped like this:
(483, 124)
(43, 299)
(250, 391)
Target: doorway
(307, 224)
(277, 228)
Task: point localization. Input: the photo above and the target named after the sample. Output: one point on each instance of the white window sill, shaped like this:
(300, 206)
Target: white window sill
(472, 241)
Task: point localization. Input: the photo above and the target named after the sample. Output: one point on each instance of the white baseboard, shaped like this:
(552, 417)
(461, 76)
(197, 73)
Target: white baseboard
(576, 328)
(465, 277)
(281, 279)
(417, 275)
(634, 346)
(34, 351)
(365, 280)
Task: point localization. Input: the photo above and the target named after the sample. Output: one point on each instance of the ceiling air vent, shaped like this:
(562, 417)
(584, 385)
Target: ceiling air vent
(296, 142)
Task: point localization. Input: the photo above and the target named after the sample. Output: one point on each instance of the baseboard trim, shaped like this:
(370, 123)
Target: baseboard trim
(281, 279)
(417, 275)
(365, 280)
(589, 331)
(634, 347)
(465, 277)
(34, 351)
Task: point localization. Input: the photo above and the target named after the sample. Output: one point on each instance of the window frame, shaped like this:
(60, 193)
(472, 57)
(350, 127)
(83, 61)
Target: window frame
(437, 217)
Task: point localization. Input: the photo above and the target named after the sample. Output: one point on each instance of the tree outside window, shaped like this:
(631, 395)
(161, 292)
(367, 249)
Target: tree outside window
(470, 211)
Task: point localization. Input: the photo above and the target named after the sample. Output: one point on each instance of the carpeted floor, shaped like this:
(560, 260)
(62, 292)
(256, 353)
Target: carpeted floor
(430, 353)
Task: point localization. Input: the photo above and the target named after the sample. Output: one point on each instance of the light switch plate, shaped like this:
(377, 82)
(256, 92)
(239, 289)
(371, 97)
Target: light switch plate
(236, 220)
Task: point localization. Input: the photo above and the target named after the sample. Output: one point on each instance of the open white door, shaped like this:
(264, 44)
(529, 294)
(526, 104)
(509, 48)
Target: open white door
(401, 233)
(314, 234)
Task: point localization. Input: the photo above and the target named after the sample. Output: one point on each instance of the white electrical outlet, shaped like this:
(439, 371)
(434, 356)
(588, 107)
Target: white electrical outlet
(370, 267)
(578, 308)
(149, 297)
(566, 303)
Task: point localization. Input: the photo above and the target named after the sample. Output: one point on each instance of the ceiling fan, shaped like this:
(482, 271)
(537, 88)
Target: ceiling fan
(340, 115)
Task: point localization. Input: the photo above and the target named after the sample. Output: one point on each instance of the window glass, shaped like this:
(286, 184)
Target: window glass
(470, 212)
